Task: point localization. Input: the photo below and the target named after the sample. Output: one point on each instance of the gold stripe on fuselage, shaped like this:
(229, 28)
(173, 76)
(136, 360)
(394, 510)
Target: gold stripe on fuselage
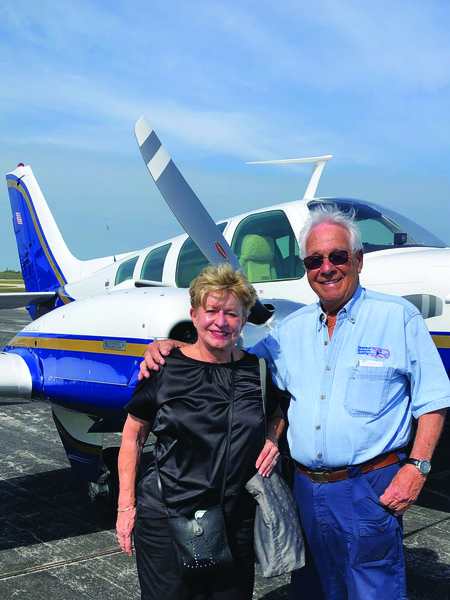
(86, 346)
(63, 296)
(441, 340)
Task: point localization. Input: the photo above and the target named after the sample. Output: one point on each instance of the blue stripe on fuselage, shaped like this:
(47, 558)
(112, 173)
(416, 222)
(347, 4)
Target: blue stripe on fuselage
(99, 383)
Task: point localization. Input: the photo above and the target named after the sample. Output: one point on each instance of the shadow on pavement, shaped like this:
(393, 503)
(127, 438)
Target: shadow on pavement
(426, 577)
(47, 506)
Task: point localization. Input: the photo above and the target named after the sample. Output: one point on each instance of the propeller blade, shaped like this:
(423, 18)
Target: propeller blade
(186, 206)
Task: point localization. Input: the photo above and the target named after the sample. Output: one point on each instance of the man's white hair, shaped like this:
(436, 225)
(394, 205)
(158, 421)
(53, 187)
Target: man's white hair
(329, 213)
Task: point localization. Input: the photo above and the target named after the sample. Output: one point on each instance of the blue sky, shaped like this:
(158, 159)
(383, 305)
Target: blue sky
(222, 82)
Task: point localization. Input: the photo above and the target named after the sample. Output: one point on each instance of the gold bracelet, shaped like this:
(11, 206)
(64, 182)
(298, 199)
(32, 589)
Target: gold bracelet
(125, 509)
(272, 438)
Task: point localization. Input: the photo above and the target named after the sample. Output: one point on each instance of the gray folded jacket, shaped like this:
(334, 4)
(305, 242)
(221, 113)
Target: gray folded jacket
(279, 545)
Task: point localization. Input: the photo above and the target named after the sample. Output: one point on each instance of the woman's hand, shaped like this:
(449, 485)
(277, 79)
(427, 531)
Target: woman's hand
(267, 459)
(124, 527)
(134, 435)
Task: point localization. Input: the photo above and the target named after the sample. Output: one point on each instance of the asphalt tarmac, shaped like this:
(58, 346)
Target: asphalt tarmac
(54, 543)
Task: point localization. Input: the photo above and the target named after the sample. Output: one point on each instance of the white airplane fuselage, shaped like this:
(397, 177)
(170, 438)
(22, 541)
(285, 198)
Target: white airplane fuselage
(82, 355)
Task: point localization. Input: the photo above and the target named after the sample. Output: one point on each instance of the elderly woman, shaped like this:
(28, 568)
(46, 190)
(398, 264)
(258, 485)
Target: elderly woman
(186, 405)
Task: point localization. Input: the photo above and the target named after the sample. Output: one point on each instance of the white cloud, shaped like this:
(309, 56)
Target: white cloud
(227, 81)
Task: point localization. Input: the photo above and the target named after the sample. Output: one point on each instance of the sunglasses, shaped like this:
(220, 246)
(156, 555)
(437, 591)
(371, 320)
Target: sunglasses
(336, 258)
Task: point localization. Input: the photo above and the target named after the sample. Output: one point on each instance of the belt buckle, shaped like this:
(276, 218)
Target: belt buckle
(319, 476)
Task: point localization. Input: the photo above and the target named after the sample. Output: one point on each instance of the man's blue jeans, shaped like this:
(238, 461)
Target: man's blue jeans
(355, 542)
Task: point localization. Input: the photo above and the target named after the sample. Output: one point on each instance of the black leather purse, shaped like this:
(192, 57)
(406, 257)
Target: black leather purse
(201, 543)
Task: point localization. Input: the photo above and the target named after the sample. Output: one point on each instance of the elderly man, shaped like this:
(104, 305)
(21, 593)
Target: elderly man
(358, 365)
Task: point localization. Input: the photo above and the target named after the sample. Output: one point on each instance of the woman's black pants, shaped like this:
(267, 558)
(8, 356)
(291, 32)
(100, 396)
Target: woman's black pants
(159, 574)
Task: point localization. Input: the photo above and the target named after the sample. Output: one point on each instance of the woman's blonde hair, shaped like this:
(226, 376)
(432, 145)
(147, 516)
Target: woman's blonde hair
(222, 279)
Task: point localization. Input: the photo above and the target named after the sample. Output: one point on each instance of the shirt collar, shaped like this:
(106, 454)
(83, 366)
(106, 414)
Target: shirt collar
(349, 311)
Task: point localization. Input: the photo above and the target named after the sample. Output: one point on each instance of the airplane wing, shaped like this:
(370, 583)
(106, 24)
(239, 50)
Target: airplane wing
(185, 205)
(22, 299)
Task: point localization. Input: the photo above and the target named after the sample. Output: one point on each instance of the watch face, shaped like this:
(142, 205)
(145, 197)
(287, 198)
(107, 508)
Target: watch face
(424, 467)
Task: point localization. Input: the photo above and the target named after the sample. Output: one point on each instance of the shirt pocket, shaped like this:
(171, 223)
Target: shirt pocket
(367, 391)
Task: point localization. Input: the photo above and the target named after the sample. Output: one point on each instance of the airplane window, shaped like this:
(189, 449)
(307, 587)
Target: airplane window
(125, 270)
(266, 247)
(190, 262)
(376, 232)
(383, 228)
(152, 269)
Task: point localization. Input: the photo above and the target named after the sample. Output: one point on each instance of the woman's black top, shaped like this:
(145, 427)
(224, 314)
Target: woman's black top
(189, 400)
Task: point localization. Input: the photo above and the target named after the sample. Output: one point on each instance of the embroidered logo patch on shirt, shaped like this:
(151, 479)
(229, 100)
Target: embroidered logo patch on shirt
(374, 351)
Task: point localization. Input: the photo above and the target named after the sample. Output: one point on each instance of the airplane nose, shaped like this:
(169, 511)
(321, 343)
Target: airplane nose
(15, 377)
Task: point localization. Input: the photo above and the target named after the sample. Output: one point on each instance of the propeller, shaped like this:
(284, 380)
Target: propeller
(186, 206)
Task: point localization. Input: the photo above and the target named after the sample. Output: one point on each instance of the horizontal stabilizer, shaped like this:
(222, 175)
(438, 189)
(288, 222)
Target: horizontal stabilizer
(319, 163)
(22, 299)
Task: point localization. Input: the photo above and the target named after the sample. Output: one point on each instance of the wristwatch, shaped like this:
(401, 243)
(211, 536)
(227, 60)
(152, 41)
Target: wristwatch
(423, 465)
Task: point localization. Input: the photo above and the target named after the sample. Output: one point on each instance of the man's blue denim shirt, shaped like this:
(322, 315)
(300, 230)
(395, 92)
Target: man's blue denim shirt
(353, 397)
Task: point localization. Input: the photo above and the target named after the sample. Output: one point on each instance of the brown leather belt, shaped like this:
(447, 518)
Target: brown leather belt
(341, 473)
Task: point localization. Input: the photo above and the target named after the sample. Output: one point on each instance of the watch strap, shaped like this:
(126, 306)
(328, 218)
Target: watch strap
(417, 462)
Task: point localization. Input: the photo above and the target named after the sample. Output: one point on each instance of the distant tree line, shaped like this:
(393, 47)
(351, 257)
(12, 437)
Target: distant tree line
(9, 274)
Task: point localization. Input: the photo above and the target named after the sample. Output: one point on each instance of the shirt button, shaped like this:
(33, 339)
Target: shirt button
(328, 368)
(319, 455)
(325, 343)
(317, 426)
(322, 397)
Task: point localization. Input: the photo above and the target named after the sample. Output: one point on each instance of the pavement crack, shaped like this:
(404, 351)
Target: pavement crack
(59, 563)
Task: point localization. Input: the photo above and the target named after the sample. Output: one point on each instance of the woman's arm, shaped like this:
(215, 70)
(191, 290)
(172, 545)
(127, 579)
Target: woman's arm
(134, 436)
(270, 453)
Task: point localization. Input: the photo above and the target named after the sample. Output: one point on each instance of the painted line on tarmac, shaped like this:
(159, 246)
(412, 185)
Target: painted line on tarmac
(425, 527)
(59, 563)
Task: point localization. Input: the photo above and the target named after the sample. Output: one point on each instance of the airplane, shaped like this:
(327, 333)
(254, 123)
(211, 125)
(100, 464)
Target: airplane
(92, 320)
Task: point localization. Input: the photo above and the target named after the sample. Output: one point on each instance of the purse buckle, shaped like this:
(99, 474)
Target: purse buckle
(198, 529)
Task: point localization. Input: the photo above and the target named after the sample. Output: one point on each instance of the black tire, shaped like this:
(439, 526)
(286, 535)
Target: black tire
(184, 332)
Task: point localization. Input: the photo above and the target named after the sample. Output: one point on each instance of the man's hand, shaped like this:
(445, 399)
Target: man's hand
(406, 485)
(154, 356)
(403, 490)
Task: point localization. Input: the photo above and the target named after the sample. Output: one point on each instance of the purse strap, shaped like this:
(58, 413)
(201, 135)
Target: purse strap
(230, 422)
(227, 449)
(262, 377)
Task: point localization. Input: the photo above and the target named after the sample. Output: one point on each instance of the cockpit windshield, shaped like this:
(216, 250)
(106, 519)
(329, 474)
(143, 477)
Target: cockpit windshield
(382, 228)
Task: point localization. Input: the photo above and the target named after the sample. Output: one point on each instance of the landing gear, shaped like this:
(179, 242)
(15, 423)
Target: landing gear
(105, 491)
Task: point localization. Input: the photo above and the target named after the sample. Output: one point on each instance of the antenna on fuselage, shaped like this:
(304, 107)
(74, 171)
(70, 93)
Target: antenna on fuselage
(319, 164)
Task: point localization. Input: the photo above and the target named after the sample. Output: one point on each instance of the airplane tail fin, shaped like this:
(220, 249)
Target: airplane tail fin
(46, 262)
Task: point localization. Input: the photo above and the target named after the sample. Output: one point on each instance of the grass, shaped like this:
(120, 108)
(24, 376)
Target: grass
(11, 285)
